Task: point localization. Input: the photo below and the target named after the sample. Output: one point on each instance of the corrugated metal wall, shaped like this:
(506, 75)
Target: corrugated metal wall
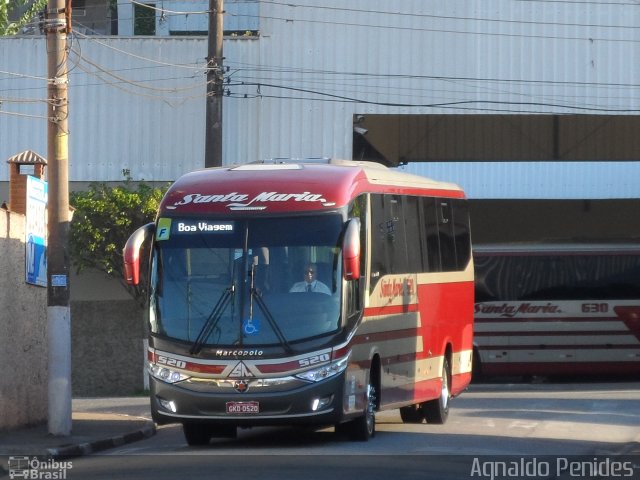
(324, 63)
(295, 91)
(135, 103)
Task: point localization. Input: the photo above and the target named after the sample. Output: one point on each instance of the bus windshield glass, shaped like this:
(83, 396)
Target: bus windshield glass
(246, 282)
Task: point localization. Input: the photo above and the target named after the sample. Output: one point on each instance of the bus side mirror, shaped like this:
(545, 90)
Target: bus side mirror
(131, 253)
(351, 251)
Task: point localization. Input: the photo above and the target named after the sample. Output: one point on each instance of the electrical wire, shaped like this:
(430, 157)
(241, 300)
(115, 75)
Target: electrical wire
(339, 89)
(140, 57)
(170, 12)
(451, 104)
(412, 15)
(139, 84)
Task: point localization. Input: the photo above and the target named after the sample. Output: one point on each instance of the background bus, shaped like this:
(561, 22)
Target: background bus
(557, 309)
(232, 343)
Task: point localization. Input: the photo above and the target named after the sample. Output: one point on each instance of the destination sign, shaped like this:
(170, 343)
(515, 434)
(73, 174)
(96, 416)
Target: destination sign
(168, 226)
(203, 227)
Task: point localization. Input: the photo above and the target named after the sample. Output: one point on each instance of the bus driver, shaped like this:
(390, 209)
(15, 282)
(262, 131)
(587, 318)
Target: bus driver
(310, 282)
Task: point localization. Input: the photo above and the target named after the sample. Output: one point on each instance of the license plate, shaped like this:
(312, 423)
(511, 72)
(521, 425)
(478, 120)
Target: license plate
(243, 408)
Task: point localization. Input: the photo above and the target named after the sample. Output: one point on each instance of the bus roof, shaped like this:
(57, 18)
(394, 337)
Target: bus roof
(556, 248)
(294, 185)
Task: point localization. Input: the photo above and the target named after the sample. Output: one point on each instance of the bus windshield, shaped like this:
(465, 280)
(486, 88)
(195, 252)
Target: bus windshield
(246, 282)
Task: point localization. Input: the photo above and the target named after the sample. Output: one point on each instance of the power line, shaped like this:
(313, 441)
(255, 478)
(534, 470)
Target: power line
(281, 69)
(136, 83)
(442, 30)
(25, 115)
(446, 17)
(444, 106)
(346, 99)
(581, 2)
(22, 75)
(166, 11)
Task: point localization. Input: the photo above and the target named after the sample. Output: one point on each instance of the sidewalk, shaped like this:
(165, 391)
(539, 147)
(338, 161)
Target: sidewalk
(92, 430)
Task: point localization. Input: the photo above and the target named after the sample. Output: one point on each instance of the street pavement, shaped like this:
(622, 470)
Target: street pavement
(102, 423)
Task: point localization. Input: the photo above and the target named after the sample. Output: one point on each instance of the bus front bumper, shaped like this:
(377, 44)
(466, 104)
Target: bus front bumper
(318, 403)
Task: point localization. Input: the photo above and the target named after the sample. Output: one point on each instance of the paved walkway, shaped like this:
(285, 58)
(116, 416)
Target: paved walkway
(93, 429)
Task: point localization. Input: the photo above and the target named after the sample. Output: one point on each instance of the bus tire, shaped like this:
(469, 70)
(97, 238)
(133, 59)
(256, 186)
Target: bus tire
(196, 433)
(437, 410)
(223, 431)
(363, 428)
(412, 414)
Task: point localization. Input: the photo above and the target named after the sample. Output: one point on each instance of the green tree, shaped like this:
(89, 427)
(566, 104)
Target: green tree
(104, 218)
(8, 27)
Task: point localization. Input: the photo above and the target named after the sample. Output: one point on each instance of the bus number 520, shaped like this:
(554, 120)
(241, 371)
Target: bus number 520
(171, 362)
(305, 362)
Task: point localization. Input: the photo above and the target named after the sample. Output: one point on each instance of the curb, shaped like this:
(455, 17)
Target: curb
(88, 448)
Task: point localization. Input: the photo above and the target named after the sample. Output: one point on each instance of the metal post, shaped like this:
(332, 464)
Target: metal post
(58, 311)
(215, 78)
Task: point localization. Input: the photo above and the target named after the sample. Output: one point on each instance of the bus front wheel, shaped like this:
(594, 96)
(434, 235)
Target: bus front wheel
(364, 427)
(196, 434)
(200, 433)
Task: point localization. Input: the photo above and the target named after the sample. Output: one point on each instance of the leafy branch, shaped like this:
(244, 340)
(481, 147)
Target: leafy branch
(7, 7)
(104, 218)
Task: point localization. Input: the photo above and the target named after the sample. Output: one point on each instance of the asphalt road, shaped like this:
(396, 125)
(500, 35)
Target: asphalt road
(491, 422)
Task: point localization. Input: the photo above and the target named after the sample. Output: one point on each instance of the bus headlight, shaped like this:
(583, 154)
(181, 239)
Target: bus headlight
(325, 371)
(166, 374)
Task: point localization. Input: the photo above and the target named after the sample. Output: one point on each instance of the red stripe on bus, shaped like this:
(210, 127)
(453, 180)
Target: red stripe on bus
(202, 368)
(279, 367)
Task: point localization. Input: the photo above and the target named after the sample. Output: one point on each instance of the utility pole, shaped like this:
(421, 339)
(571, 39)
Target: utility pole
(215, 79)
(57, 25)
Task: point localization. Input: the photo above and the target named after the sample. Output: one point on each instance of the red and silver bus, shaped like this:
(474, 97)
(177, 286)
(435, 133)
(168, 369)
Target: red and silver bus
(236, 340)
(557, 309)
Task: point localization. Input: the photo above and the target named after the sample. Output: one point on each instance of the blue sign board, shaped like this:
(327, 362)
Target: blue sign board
(36, 232)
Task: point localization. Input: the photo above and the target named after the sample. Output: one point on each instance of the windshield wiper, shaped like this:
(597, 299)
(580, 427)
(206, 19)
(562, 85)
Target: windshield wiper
(272, 321)
(214, 318)
(265, 310)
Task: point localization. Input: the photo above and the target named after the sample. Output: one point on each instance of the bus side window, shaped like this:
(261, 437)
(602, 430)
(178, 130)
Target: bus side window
(461, 233)
(379, 234)
(416, 254)
(445, 232)
(431, 235)
(397, 243)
